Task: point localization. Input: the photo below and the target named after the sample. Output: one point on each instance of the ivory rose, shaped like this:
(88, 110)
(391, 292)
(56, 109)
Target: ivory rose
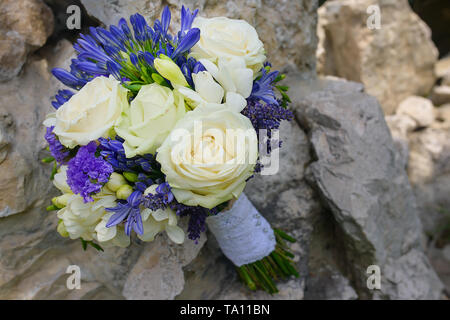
(209, 155)
(90, 113)
(151, 116)
(221, 37)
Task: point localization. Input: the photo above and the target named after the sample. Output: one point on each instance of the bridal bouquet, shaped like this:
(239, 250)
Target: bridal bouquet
(162, 127)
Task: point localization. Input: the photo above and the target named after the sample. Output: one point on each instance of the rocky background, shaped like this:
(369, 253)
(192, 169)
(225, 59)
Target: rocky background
(365, 171)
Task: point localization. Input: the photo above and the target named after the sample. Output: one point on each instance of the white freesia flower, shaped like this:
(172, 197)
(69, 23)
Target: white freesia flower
(208, 91)
(90, 113)
(112, 236)
(151, 116)
(60, 180)
(232, 74)
(80, 219)
(221, 37)
(158, 221)
(209, 155)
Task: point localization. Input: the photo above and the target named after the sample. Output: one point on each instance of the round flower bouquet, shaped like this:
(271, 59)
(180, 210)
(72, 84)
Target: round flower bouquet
(165, 127)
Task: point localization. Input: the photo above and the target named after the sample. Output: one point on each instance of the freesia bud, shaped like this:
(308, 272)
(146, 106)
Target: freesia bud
(130, 176)
(169, 70)
(61, 201)
(62, 229)
(124, 192)
(116, 180)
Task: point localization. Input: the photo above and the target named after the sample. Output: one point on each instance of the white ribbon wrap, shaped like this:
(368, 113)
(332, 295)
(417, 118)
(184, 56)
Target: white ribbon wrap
(242, 233)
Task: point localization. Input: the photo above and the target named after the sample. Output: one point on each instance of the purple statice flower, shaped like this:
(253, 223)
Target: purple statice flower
(58, 151)
(263, 88)
(160, 199)
(87, 173)
(130, 211)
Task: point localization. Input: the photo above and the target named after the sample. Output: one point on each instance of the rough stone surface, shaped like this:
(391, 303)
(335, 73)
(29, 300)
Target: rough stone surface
(393, 62)
(419, 109)
(25, 26)
(442, 67)
(360, 176)
(33, 257)
(440, 95)
(287, 28)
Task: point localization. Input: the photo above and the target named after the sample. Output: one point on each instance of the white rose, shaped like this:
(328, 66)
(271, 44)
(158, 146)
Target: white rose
(221, 37)
(90, 113)
(80, 219)
(209, 155)
(151, 116)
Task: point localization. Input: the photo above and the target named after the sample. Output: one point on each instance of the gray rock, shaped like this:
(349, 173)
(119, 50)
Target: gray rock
(287, 28)
(25, 26)
(360, 177)
(394, 62)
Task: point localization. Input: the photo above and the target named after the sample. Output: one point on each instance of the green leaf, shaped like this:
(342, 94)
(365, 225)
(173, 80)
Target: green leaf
(282, 88)
(83, 244)
(54, 170)
(52, 208)
(96, 246)
(48, 160)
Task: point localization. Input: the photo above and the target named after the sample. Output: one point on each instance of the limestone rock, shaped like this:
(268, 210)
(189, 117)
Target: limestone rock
(442, 67)
(158, 273)
(25, 26)
(394, 62)
(419, 109)
(440, 95)
(360, 176)
(285, 27)
(35, 257)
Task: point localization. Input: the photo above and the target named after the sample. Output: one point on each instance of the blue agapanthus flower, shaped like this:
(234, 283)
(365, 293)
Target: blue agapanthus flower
(87, 173)
(130, 211)
(263, 88)
(61, 97)
(127, 55)
(58, 151)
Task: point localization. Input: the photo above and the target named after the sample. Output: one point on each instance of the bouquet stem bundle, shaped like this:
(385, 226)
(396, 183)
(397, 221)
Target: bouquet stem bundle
(278, 265)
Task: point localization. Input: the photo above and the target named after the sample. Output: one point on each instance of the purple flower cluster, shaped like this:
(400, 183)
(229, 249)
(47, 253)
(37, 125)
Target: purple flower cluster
(266, 116)
(58, 151)
(197, 218)
(160, 199)
(86, 173)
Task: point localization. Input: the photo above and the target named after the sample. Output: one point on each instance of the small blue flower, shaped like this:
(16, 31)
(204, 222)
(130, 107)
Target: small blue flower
(58, 151)
(263, 88)
(129, 211)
